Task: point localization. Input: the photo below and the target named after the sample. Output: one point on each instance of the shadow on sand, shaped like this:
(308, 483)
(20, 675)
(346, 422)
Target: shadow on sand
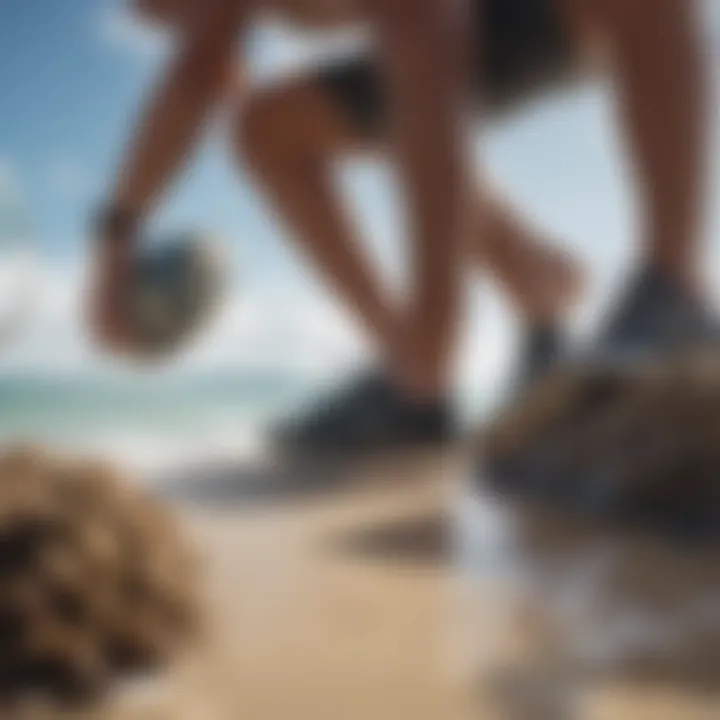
(421, 540)
(235, 484)
(248, 483)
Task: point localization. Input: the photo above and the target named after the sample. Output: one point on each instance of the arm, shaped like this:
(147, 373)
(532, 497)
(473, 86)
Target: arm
(189, 90)
(167, 132)
(424, 45)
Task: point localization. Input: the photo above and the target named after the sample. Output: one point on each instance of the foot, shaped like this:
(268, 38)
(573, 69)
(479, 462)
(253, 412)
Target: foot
(542, 346)
(655, 319)
(553, 284)
(369, 416)
(558, 284)
(656, 316)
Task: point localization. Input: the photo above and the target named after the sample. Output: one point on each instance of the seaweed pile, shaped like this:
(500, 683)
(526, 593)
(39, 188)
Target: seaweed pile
(96, 583)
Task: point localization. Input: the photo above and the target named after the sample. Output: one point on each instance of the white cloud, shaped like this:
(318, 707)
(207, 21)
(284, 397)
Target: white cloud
(124, 30)
(295, 332)
(47, 340)
(284, 329)
(261, 329)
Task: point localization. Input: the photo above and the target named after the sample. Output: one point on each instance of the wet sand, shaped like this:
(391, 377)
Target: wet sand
(339, 606)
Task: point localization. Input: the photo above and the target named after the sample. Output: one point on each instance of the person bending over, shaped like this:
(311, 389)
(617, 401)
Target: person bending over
(435, 63)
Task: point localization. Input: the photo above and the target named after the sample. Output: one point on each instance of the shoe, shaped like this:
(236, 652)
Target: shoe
(585, 463)
(542, 348)
(366, 417)
(656, 316)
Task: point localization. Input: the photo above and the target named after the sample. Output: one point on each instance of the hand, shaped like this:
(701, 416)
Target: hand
(110, 278)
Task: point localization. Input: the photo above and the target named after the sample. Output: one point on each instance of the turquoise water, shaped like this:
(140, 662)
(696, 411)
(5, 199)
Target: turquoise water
(154, 422)
(144, 418)
(60, 407)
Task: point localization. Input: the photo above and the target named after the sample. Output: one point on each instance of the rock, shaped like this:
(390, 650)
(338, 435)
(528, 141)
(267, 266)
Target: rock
(639, 444)
(612, 482)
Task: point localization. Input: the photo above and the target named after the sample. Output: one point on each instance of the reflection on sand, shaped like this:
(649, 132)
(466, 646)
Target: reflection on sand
(579, 610)
(262, 480)
(395, 597)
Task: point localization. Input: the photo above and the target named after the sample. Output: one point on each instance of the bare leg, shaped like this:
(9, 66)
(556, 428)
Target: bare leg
(291, 135)
(663, 100)
(542, 282)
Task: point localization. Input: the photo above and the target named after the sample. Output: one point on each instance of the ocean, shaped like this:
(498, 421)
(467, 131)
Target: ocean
(154, 423)
(148, 423)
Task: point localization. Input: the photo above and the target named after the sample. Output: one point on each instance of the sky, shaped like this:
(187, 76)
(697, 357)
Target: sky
(72, 75)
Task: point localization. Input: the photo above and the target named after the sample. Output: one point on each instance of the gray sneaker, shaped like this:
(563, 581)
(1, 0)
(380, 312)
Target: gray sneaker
(655, 317)
(576, 448)
(367, 417)
(543, 346)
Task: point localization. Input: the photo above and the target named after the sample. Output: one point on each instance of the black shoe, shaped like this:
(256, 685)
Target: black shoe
(367, 417)
(656, 317)
(542, 348)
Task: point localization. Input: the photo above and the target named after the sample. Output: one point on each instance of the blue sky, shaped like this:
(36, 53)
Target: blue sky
(72, 73)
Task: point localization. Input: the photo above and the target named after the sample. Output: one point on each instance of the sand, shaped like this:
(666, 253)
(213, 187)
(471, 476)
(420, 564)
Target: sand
(332, 606)
(339, 606)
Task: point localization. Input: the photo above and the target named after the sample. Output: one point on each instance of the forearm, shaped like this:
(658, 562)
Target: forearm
(168, 131)
(192, 85)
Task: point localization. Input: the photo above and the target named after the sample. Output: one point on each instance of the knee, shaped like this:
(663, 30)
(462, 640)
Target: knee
(286, 124)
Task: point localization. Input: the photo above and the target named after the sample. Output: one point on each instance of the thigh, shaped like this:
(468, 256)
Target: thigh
(524, 49)
(334, 109)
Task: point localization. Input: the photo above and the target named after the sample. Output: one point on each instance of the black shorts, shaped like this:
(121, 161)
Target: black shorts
(525, 51)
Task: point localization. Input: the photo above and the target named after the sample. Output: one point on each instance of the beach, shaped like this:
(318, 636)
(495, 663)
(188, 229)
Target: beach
(345, 595)
(339, 605)
(345, 604)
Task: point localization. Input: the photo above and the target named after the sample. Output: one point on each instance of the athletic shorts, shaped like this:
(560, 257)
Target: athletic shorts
(525, 51)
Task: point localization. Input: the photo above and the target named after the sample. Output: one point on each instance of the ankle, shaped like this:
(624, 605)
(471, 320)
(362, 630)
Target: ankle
(422, 392)
(554, 292)
(421, 383)
(419, 387)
